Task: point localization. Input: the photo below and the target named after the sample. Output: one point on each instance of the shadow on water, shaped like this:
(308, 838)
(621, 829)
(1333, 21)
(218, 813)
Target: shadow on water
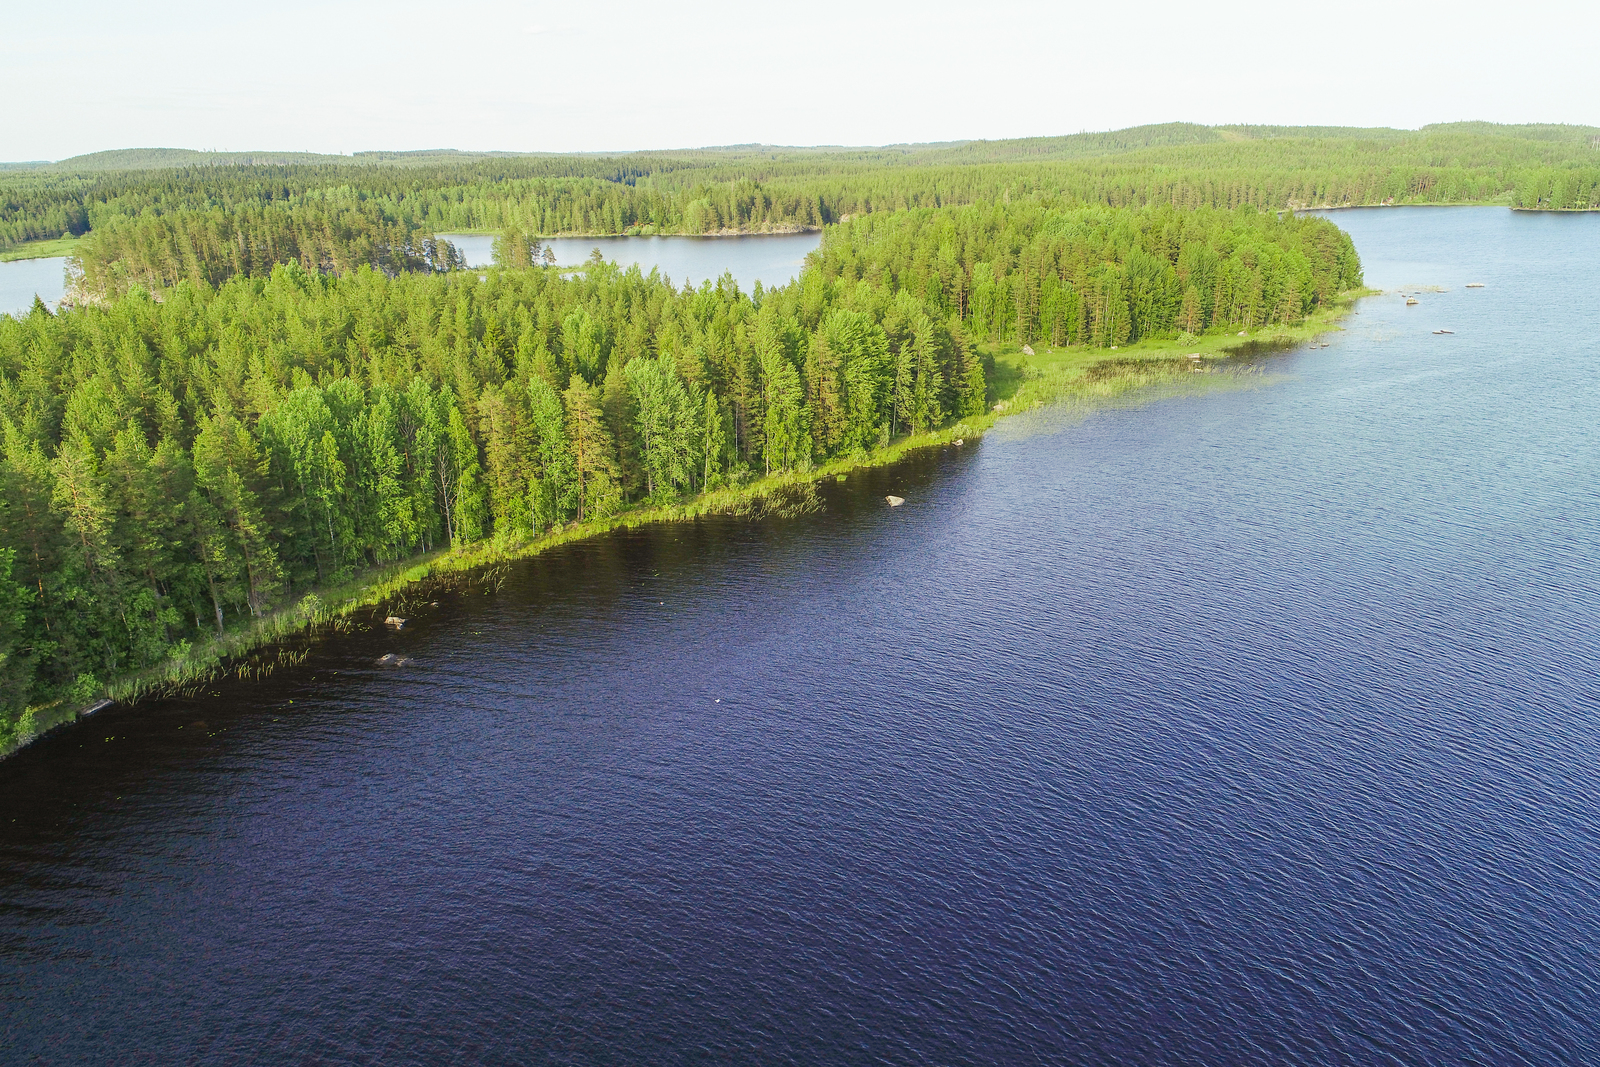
(92, 762)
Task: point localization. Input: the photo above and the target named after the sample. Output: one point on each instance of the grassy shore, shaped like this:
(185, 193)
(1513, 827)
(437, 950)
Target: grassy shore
(56, 246)
(1021, 381)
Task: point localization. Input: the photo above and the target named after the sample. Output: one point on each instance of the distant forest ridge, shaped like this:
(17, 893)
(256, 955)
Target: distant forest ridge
(1067, 146)
(169, 158)
(167, 216)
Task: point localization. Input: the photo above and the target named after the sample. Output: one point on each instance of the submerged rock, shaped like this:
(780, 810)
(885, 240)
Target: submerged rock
(895, 501)
(389, 659)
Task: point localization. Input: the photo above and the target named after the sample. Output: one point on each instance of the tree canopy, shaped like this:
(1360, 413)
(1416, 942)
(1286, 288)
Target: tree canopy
(214, 215)
(173, 467)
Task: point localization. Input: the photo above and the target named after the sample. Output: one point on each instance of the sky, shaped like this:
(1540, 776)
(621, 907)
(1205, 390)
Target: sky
(352, 75)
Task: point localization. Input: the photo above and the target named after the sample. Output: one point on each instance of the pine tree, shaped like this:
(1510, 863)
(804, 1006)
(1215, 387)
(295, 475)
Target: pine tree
(713, 439)
(593, 454)
(18, 656)
(621, 409)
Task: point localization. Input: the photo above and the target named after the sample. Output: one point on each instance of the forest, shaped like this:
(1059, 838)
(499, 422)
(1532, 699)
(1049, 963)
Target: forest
(178, 464)
(154, 225)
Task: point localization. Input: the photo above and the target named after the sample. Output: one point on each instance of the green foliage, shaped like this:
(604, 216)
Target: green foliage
(668, 418)
(16, 656)
(207, 247)
(179, 468)
(200, 215)
(1100, 276)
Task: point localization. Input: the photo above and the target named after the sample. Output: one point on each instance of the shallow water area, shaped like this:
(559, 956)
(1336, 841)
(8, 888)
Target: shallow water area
(1242, 725)
(773, 259)
(21, 279)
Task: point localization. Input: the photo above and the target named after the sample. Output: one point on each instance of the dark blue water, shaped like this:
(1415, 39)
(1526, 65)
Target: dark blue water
(1257, 726)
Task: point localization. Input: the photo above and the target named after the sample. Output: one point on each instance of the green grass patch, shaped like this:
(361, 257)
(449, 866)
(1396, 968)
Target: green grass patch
(56, 246)
(1021, 381)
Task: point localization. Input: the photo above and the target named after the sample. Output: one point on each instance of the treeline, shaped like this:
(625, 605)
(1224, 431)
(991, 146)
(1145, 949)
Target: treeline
(172, 468)
(1567, 189)
(335, 230)
(206, 248)
(1100, 276)
(757, 188)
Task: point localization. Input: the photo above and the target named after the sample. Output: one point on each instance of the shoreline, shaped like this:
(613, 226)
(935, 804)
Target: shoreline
(66, 247)
(1021, 382)
(45, 248)
(52, 247)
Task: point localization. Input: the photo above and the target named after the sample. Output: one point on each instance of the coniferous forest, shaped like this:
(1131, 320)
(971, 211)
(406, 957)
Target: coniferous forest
(274, 376)
(177, 463)
(154, 218)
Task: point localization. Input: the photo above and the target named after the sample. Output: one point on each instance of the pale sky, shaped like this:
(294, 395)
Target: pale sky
(349, 75)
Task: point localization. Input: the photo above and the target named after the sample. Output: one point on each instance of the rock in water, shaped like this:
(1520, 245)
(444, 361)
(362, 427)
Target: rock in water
(389, 659)
(895, 501)
(395, 621)
(1027, 350)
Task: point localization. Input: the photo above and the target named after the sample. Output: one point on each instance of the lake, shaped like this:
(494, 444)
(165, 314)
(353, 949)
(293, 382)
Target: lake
(21, 279)
(1251, 725)
(774, 259)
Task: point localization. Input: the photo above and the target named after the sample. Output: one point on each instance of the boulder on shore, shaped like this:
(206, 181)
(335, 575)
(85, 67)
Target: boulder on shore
(394, 620)
(1027, 350)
